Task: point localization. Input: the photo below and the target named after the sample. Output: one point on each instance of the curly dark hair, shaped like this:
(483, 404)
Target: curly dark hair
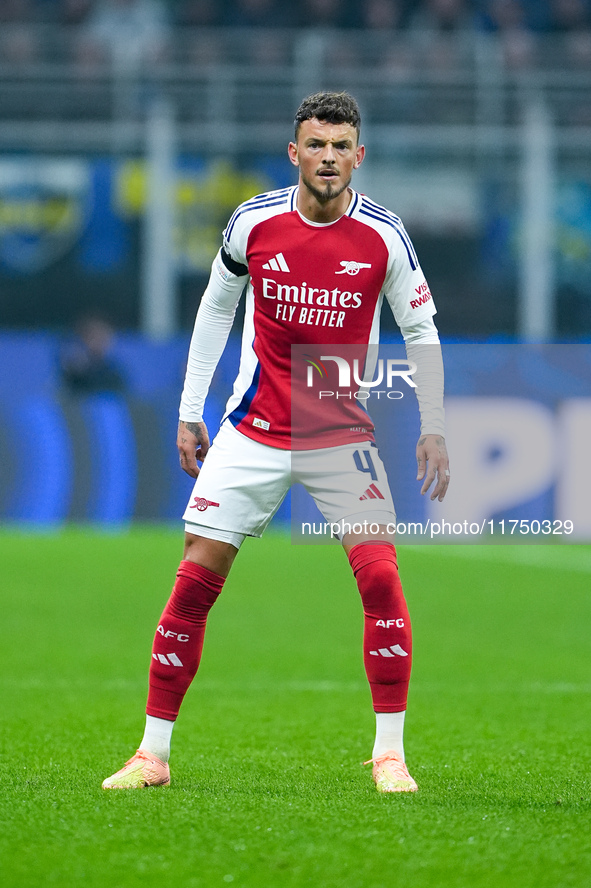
(333, 107)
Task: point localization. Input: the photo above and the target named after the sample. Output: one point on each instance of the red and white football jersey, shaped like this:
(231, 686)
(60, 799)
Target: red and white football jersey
(317, 285)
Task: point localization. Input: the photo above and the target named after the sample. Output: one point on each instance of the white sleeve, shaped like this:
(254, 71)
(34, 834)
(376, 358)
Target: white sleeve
(405, 287)
(423, 331)
(210, 334)
(423, 348)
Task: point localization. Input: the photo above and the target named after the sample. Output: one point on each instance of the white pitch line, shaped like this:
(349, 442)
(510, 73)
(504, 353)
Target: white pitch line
(568, 557)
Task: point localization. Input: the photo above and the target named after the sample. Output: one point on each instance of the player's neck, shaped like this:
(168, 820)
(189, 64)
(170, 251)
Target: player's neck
(316, 211)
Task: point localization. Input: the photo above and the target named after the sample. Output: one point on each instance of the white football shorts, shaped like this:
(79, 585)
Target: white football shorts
(242, 483)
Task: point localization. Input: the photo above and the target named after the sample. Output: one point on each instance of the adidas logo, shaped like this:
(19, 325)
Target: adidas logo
(372, 492)
(168, 660)
(277, 263)
(392, 651)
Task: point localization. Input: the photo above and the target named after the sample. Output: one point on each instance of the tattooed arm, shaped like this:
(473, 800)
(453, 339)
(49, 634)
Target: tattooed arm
(192, 443)
(211, 331)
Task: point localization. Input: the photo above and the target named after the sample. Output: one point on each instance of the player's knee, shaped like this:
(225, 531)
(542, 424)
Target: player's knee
(215, 555)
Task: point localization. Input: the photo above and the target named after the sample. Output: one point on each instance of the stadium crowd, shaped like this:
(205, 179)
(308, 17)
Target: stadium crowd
(541, 16)
(530, 33)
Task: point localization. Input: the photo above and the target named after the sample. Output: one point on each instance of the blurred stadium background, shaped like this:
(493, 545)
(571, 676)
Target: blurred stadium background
(130, 129)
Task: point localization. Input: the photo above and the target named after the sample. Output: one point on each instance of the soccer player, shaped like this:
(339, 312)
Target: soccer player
(317, 259)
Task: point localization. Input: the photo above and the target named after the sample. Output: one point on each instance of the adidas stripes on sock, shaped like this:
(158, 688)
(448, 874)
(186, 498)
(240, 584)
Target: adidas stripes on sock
(178, 641)
(387, 639)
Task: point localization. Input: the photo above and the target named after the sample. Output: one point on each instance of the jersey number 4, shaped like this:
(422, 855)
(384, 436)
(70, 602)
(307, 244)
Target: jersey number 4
(366, 466)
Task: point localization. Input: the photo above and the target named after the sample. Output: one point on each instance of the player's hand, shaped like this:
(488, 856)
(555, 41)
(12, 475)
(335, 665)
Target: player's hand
(432, 454)
(193, 443)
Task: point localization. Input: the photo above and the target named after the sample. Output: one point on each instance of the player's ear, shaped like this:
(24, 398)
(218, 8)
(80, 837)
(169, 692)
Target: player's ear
(292, 153)
(360, 154)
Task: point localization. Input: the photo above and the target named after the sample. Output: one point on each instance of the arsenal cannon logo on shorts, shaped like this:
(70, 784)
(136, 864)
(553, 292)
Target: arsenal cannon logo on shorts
(201, 504)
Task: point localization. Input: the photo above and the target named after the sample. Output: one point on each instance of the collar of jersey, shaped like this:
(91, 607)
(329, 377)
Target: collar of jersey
(348, 211)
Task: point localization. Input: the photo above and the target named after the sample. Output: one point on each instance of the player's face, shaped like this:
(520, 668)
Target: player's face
(327, 154)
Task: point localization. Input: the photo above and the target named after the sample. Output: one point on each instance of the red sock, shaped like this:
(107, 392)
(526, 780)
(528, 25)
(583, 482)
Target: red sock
(387, 639)
(179, 638)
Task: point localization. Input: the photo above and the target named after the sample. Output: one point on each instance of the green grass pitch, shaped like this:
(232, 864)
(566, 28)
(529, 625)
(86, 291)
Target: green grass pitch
(268, 789)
